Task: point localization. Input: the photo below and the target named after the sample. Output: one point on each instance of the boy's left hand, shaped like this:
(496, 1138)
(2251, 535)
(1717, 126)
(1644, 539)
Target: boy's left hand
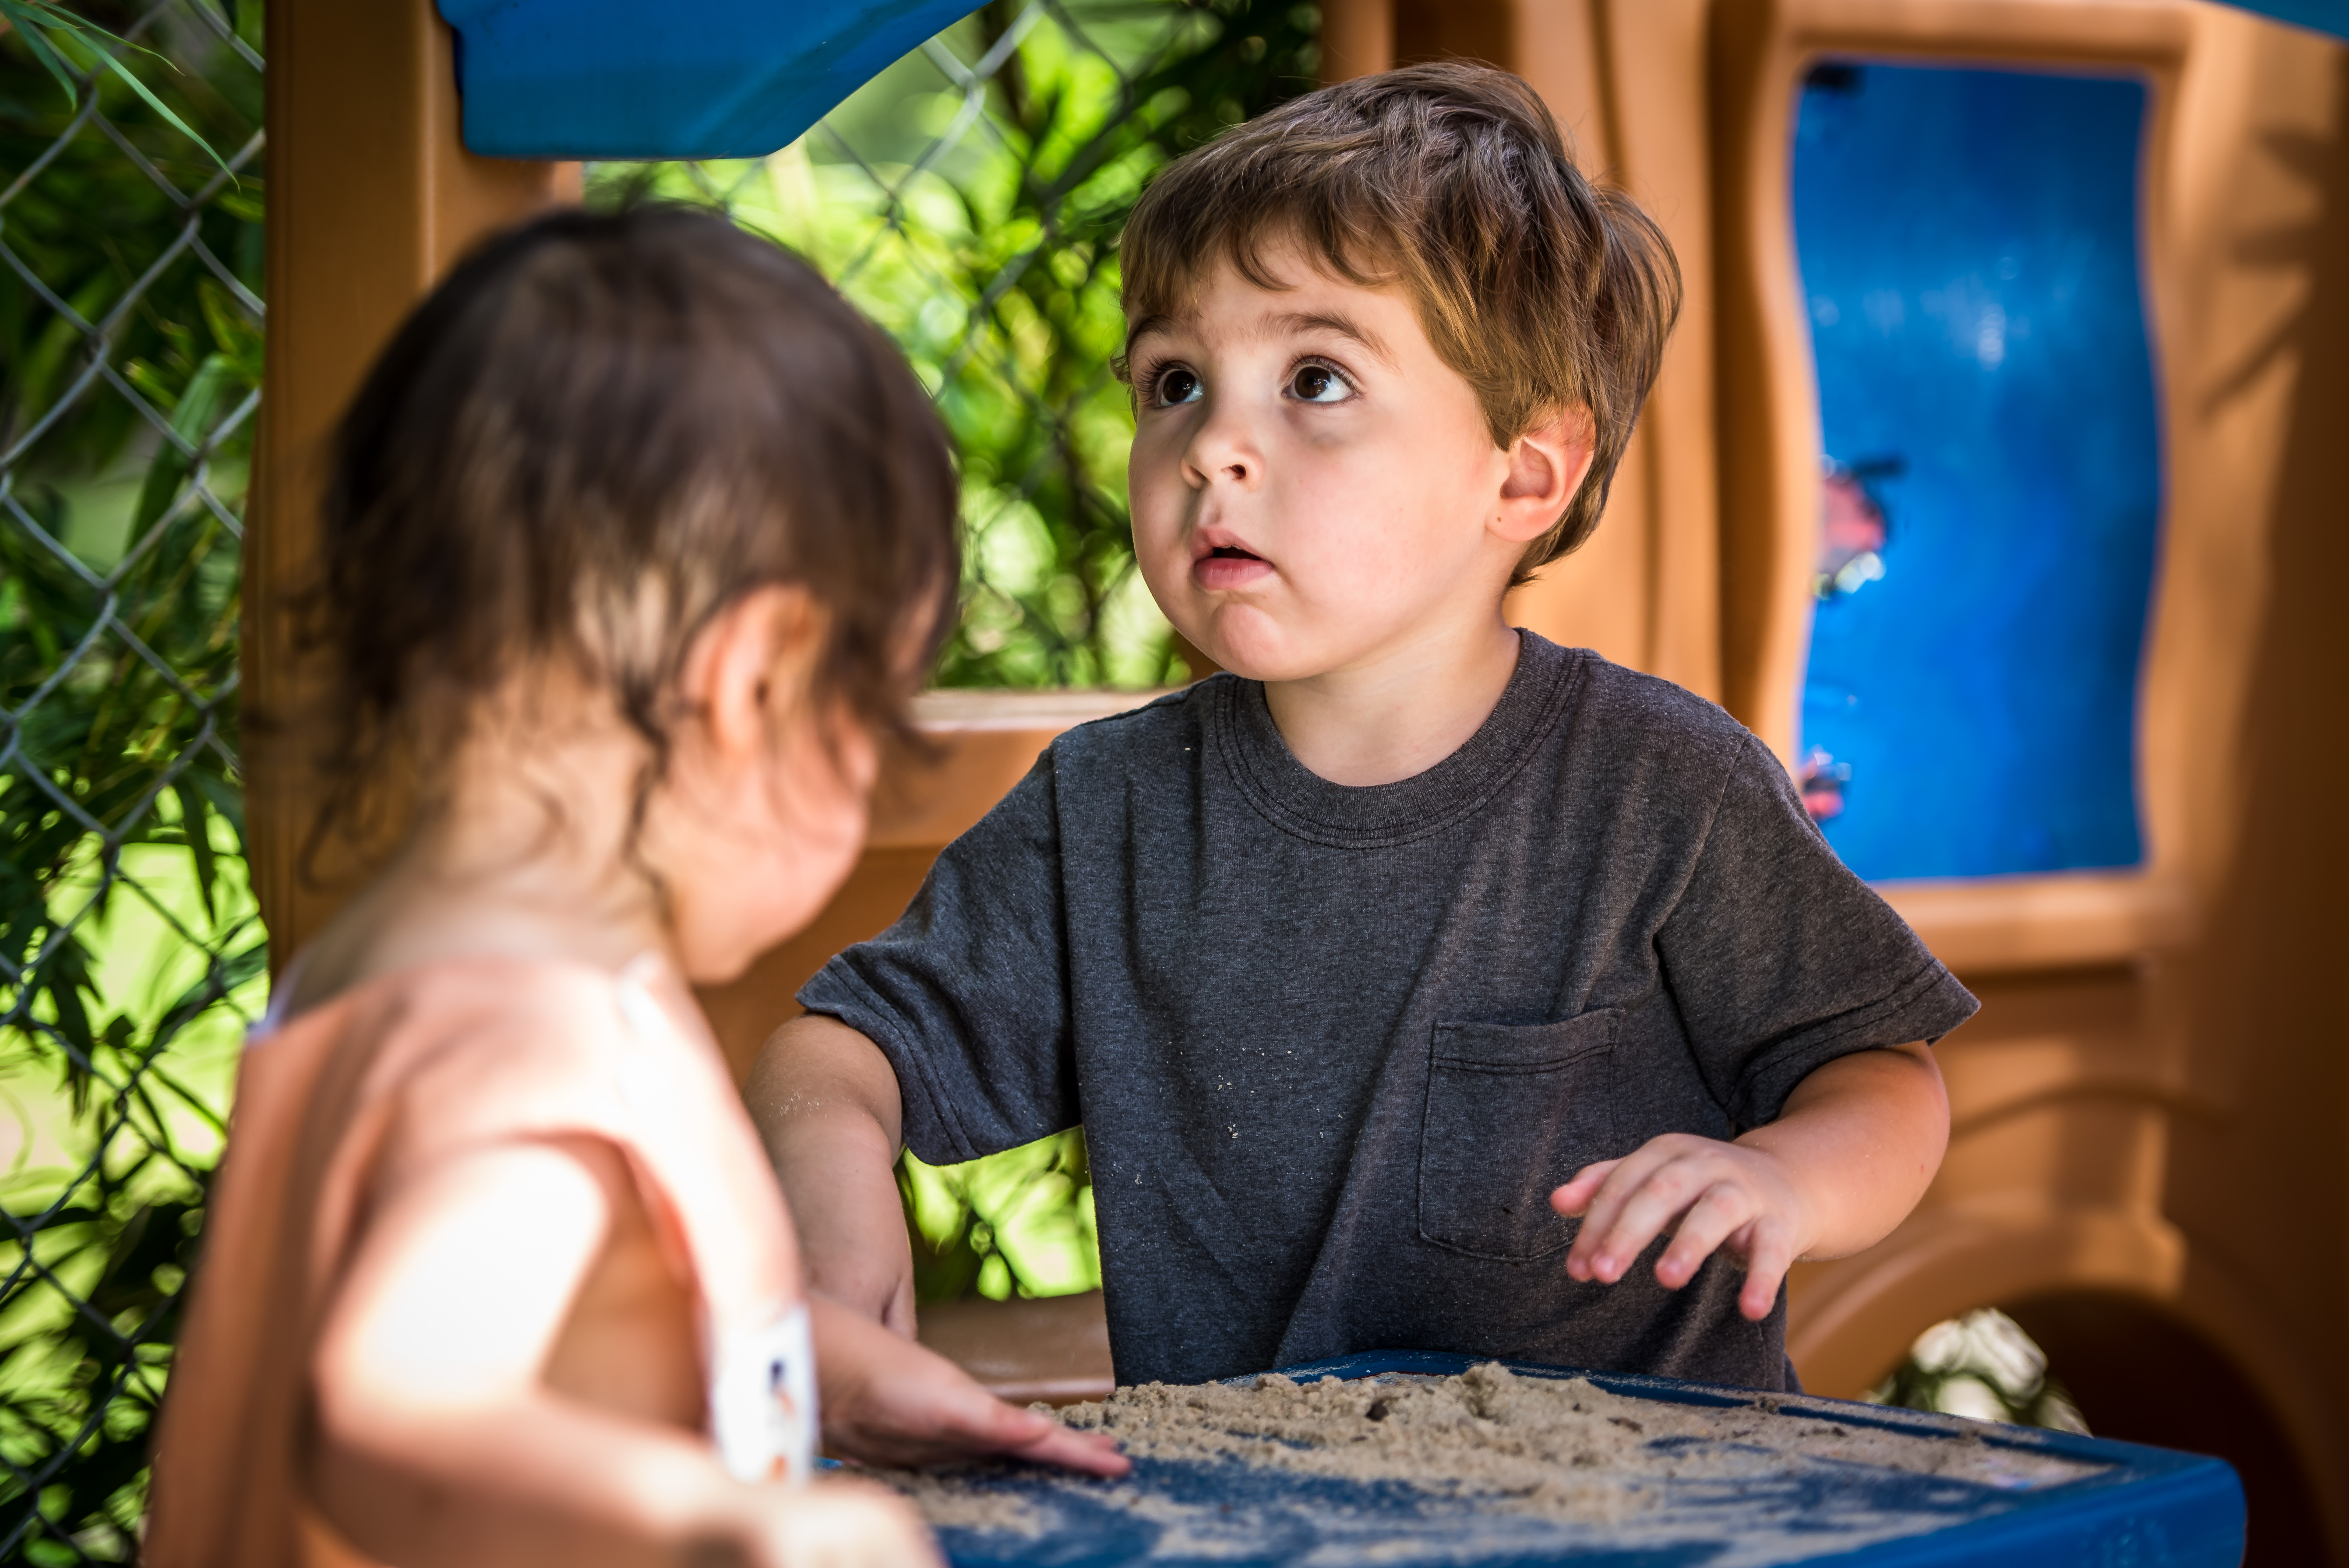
(1847, 1158)
(1708, 1195)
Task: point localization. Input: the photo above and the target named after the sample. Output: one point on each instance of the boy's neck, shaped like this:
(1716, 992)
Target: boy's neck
(1401, 711)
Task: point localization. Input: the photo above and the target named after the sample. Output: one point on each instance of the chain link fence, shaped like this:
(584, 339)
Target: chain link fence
(131, 955)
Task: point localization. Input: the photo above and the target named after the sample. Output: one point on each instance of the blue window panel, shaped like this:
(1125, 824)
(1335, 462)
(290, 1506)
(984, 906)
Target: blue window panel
(1968, 242)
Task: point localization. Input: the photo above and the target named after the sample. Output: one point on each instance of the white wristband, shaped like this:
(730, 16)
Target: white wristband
(762, 1410)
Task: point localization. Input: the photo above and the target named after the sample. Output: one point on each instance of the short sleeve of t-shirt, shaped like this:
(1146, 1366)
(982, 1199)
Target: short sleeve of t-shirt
(966, 995)
(1781, 960)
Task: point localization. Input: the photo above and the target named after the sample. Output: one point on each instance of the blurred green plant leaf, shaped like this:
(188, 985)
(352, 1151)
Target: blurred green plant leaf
(47, 26)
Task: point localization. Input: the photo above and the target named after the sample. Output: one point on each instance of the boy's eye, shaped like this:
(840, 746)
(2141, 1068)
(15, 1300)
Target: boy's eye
(1175, 385)
(1317, 384)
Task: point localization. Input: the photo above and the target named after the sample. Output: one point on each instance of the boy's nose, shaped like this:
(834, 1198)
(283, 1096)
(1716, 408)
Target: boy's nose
(1222, 453)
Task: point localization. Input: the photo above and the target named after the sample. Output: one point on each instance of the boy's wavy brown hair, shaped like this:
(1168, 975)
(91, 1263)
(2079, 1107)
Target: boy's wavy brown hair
(1545, 292)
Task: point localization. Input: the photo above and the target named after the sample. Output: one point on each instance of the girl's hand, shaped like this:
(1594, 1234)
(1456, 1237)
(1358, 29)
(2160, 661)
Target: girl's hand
(1708, 1195)
(887, 1401)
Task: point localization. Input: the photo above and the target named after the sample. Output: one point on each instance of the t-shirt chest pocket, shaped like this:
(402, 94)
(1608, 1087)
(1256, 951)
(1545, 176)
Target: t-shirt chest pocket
(1513, 1111)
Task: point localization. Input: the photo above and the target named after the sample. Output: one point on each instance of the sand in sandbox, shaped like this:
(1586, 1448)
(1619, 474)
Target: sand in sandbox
(1563, 1446)
(1557, 1448)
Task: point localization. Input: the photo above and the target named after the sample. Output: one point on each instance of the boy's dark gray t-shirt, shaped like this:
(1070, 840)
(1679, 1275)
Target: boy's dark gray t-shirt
(1332, 1047)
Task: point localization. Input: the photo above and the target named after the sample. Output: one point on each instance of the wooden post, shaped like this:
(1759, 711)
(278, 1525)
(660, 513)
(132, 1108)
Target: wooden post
(371, 196)
(1357, 38)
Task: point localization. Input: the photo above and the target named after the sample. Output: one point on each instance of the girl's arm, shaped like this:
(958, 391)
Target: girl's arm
(439, 1441)
(1853, 1149)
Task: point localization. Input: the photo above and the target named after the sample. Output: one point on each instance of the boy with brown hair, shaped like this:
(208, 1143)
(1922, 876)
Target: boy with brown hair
(1373, 964)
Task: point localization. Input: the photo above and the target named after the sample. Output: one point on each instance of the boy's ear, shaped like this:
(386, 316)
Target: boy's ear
(751, 663)
(1547, 465)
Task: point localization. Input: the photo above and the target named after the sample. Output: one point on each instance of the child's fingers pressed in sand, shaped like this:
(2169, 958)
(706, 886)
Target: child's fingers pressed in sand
(887, 1401)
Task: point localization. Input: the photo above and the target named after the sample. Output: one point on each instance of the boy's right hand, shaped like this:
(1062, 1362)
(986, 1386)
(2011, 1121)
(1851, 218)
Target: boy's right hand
(886, 1400)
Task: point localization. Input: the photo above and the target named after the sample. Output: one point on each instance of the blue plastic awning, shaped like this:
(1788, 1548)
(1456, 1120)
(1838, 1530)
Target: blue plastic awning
(731, 79)
(679, 78)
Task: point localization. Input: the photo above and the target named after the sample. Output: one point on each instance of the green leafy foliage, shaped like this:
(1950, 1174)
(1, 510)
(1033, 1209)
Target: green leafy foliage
(969, 200)
(1021, 1220)
(131, 956)
(55, 36)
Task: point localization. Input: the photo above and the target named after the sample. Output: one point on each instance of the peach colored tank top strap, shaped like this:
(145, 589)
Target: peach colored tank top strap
(416, 1066)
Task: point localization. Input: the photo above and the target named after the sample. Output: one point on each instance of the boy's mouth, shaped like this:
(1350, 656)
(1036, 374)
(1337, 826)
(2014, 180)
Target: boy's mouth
(1228, 566)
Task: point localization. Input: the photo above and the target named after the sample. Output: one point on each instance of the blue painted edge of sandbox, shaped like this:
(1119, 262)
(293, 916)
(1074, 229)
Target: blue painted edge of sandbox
(2153, 1508)
(698, 78)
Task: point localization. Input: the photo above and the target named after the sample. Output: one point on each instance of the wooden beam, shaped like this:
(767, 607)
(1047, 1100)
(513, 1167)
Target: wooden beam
(371, 197)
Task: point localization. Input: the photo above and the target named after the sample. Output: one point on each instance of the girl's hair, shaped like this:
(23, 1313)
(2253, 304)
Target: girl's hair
(597, 433)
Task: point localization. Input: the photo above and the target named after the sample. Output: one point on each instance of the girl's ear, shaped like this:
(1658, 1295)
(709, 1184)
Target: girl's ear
(751, 665)
(1547, 465)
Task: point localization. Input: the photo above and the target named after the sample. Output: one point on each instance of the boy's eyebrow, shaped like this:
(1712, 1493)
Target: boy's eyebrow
(1157, 321)
(1290, 322)
(1343, 326)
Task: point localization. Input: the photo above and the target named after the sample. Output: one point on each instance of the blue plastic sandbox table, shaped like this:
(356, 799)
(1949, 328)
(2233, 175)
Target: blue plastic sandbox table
(2120, 1504)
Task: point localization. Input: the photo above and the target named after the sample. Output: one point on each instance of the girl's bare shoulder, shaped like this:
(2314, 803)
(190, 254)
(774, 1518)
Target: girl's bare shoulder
(468, 1052)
